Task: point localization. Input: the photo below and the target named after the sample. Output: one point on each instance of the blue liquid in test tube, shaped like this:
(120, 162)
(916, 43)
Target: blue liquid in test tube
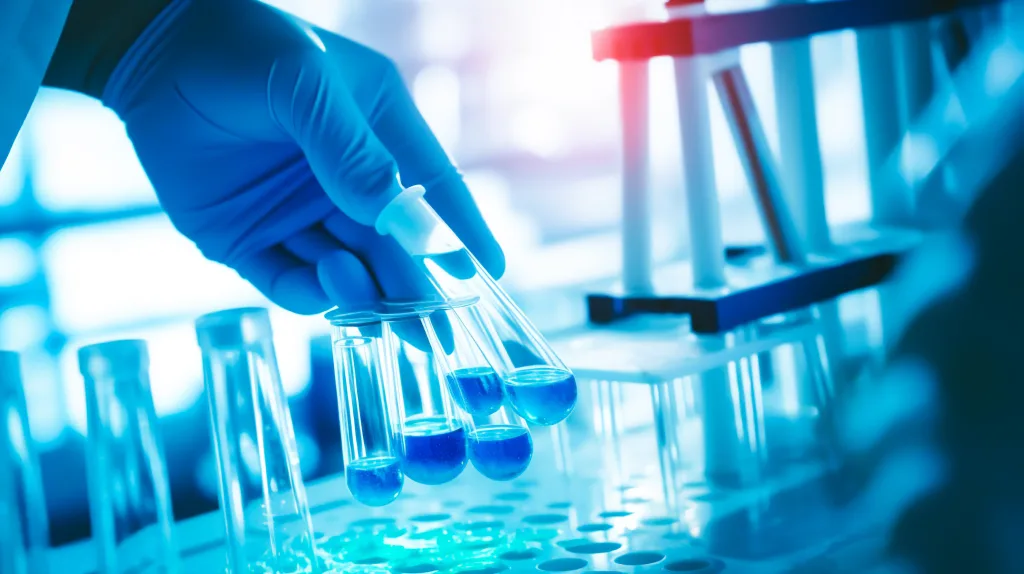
(500, 452)
(435, 449)
(477, 390)
(375, 481)
(541, 395)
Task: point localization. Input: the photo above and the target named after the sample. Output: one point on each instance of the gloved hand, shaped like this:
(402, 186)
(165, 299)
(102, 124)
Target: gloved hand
(273, 145)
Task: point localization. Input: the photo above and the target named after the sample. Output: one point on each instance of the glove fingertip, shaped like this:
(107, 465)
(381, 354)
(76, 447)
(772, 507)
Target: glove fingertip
(346, 281)
(300, 292)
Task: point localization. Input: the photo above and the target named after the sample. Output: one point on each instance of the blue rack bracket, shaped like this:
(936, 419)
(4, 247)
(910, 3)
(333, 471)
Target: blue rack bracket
(775, 289)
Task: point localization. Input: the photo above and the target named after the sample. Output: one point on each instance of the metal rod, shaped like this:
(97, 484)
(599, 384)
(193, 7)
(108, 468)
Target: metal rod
(637, 259)
(799, 148)
(702, 204)
(756, 157)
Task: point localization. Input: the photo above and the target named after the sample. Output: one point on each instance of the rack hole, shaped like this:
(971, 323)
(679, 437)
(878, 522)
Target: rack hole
(545, 518)
(639, 558)
(659, 521)
(562, 565)
(519, 555)
(416, 569)
(492, 509)
(439, 517)
(560, 505)
(595, 527)
(615, 514)
(689, 565)
(588, 547)
(370, 560)
(512, 496)
(486, 570)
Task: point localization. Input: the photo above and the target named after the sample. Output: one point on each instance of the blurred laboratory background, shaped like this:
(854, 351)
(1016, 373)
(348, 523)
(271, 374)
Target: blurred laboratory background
(512, 91)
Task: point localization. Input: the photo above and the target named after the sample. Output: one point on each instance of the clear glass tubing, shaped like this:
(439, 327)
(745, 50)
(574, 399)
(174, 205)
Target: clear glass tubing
(129, 492)
(499, 443)
(368, 406)
(262, 495)
(24, 530)
(433, 428)
(538, 385)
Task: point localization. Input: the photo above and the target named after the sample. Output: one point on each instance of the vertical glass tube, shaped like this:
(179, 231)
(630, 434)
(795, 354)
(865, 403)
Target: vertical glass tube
(434, 435)
(262, 495)
(129, 493)
(24, 531)
(499, 443)
(368, 403)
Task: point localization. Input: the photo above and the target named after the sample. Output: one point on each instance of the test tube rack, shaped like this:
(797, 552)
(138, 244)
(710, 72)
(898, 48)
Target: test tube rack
(808, 263)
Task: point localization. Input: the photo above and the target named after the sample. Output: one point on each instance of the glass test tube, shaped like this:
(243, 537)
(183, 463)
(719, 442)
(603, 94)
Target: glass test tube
(499, 442)
(368, 406)
(262, 495)
(129, 493)
(434, 434)
(538, 384)
(24, 531)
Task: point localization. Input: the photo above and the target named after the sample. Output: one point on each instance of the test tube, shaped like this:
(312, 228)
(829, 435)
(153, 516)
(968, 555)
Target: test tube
(129, 494)
(433, 435)
(24, 532)
(499, 443)
(368, 405)
(538, 385)
(260, 486)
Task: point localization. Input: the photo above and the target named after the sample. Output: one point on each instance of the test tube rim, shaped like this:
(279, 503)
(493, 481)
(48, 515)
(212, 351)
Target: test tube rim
(397, 309)
(339, 318)
(113, 353)
(234, 314)
(243, 319)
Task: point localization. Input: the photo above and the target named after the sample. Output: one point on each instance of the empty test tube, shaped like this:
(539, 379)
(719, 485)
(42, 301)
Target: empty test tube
(262, 495)
(499, 443)
(368, 406)
(24, 531)
(434, 435)
(538, 385)
(129, 493)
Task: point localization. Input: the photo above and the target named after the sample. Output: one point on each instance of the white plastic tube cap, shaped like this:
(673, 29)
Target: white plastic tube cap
(129, 356)
(417, 228)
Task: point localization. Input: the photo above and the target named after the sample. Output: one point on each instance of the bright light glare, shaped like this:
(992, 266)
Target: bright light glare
(42, 391)
(175, 370)
(23, 327)
(17, 262)
(329, 15)
(436, 91)
(292, 334)
(82, 158)
(115, 274)
(445, 34)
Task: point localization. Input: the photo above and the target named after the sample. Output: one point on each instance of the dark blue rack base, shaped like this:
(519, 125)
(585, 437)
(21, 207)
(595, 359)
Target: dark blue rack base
(759, 288)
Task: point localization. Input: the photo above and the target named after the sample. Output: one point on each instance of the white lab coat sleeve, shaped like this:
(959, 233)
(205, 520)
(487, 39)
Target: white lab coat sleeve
(29, 30)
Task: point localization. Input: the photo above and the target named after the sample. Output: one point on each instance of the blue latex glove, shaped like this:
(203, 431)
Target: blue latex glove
(273, 145)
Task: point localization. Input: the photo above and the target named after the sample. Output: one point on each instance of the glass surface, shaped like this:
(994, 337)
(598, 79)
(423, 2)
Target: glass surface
(499, 444)
(262, 495)
(129, 495)
(433, 427)
(24, 532)
(368, 407)
(509, 341)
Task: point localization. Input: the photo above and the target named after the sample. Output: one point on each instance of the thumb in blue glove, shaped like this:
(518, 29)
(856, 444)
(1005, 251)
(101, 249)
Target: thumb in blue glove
(274, 145)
